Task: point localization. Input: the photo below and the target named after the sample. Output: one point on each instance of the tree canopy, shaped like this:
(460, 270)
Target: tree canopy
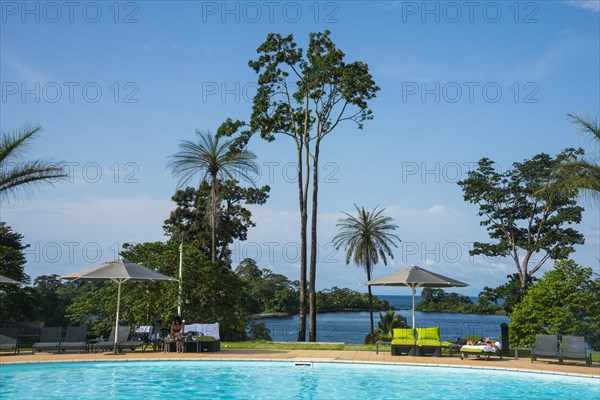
(565, 301)
(524, 224)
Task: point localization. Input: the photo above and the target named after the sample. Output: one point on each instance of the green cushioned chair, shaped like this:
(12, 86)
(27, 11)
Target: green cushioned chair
(429, 342)
(403, 342)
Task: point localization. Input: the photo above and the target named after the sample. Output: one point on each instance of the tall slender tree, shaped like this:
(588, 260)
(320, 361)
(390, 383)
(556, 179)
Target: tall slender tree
(17, 173)
(367, 237)
(213, 159)
(306, 96)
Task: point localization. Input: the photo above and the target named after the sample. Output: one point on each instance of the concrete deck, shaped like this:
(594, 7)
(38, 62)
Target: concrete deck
(523, 364)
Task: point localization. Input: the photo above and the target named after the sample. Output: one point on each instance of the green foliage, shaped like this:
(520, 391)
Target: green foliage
(510, 292)
(15, 300)
(192, 213)
(565, 301)
(211, 293)
(267, 292)
(437, 300)
(581, 175)
(214, 160)
(17, 174)
(305, 96)
(522, 222)
(344, 299)
(387, 323)
(366, 238)
(51, 296)
(259, 331)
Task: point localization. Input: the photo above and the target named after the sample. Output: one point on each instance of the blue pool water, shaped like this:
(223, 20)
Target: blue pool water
(280, 380)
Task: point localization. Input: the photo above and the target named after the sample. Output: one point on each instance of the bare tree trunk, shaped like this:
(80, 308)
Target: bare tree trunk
(370, 298)
(313, 247)
(303, 223)
(213, 223)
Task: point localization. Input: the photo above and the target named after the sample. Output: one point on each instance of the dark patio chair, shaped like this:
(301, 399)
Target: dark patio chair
(75, 339)
(50, 339)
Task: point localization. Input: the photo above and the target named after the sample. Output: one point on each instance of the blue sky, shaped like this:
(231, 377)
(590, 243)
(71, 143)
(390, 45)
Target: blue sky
(116, 87)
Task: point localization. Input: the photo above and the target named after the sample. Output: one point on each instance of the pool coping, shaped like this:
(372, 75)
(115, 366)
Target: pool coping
(305, 359)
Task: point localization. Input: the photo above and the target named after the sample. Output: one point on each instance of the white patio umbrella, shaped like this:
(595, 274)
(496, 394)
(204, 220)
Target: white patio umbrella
(415, 277)
(118, 271)
(5, 280)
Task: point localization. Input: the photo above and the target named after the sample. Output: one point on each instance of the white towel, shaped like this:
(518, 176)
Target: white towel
(482, 347)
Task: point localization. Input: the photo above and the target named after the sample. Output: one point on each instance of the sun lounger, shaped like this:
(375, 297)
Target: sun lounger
(75, 339)
(110, 342)
(50, 339)
(480, 351)
(404, 342)
(573, 347)
(9, 343)
(546, 346)
(139, 337)
(429, 342)
(206, 335)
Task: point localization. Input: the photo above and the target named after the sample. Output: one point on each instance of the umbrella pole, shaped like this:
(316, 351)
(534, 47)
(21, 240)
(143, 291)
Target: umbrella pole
(413, 305)
(180, 277)
(117, 319)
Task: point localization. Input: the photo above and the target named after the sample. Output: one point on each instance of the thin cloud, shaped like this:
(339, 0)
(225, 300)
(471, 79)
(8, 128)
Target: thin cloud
(30, 74)
(591, 5)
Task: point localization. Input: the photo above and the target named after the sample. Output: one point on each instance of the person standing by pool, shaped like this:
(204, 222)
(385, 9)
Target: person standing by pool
(177, 333)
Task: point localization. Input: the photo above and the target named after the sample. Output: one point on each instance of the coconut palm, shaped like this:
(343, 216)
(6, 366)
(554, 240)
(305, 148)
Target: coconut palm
(213, 159)
(366, 238)
(578, 175)
(18, 174)
(584, 174)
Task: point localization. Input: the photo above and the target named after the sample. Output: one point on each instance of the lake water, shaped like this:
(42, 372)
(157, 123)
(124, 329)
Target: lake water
(352, 327)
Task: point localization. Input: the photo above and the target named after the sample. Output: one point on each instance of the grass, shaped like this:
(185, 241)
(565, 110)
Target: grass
(263, 345)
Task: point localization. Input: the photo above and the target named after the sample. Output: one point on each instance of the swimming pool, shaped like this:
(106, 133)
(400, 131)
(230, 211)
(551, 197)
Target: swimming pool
(280, 380)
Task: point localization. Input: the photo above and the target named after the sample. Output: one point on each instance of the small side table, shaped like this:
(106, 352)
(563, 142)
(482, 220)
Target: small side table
(382, 342)
(453, 347)
(520, 348)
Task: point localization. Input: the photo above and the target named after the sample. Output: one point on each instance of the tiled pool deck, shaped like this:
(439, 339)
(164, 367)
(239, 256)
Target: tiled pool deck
(507, 363)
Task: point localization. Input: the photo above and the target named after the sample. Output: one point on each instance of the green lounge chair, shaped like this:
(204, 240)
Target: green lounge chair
(545, 346)
(429, 342)
(50, 339)
(573, 347)
(403, 342)
(75, 339)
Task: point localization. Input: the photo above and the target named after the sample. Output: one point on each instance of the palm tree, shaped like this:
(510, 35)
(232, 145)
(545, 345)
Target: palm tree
(213, 159)
(584, 174)
(578, 175)
(366, 238)
(18, 174)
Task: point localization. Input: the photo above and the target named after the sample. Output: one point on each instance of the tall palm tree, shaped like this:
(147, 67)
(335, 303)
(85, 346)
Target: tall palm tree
(213, 159)
(365, 238)
(584, 174)
(18, 174)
